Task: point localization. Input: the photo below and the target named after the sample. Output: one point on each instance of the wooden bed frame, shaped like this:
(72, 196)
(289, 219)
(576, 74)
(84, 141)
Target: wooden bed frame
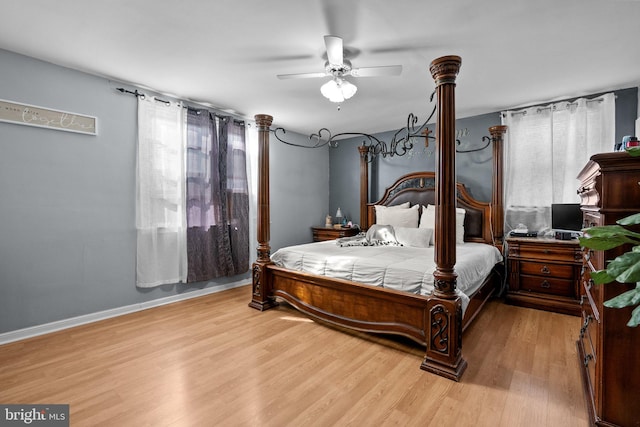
(435, 321)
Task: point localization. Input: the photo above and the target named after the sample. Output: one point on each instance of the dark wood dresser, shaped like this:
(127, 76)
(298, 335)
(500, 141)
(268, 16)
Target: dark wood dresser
(544, 273)
(321, 233)
(609, 351)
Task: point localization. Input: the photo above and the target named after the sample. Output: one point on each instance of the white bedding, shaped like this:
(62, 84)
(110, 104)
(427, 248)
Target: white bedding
(401, 268)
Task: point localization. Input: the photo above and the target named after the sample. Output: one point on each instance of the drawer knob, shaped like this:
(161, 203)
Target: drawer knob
(545, 270)
(545, 284)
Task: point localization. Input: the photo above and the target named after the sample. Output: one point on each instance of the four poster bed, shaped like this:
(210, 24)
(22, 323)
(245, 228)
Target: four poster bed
(433, 318)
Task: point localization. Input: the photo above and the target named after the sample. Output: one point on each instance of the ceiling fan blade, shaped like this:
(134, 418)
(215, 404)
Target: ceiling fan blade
(341, 18)
(301, 75)
(334, 50)
(385, 70)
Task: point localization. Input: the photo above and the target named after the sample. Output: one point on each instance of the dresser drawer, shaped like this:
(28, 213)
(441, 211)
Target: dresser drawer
(590, 322)
(588, 338)
(547, 252)
(589, 297)
(560, 271)
(547, 285)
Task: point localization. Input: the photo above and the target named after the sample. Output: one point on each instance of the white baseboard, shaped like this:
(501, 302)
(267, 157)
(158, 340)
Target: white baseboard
(46, 328)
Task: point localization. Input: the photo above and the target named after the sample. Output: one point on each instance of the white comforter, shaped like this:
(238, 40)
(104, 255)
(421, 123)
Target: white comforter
(402, 268)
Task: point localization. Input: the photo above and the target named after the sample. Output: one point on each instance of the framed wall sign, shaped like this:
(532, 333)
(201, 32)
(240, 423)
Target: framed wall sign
(31, 115)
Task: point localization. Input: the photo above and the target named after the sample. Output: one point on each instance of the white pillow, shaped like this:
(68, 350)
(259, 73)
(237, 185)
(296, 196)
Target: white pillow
(404, 205)
(428, 217)
(460, 214)
(428, 220)
(414, 237)
(397, 217)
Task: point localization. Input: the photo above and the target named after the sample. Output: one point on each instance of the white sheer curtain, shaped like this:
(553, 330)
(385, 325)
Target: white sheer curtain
(160, 194)
(545, 149)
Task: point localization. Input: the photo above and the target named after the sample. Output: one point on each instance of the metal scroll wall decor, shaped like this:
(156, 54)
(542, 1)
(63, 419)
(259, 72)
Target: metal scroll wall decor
(401, 143)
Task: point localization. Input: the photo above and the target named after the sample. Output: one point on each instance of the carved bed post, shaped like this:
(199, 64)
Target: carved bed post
(444, 310)
(261, 297)
(364, 185)
(497, 197)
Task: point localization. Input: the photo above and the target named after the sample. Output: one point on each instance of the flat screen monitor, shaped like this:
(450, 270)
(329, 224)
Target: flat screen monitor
(566, 217)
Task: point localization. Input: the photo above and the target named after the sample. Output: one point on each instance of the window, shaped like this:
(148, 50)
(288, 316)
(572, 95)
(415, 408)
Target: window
(545, 149)
(192, 207)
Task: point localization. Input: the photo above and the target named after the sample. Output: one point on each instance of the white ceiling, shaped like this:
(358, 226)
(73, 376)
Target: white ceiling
(228, 52)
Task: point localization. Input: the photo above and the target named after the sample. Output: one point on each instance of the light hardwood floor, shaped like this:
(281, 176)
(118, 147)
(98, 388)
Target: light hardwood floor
(213, 361)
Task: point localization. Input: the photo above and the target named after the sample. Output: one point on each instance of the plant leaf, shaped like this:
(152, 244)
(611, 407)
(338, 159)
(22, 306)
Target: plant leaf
(625, 299)
(601, 277)
(635, 317)
(613, 230)
(604, 243)
(608, 237)
(625, 268)
(629, 220)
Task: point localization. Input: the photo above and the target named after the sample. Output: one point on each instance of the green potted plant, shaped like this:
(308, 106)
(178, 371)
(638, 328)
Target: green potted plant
(624, 268)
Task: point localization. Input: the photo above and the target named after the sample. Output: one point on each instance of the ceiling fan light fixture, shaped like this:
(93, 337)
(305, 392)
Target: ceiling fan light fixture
(337, 90)
(348, 89)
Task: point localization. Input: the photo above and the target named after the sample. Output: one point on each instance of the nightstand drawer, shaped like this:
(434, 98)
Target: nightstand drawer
(329, 233)
(547, 252)
(547, 285)
(544, 274)
(560, 271)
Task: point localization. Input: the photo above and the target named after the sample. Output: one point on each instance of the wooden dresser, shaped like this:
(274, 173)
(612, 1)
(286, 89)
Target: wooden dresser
(544, 273)
(321, 233)
(609, 351)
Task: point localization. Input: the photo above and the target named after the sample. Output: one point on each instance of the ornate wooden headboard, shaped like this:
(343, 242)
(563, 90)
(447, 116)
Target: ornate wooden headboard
(419, 188)
(484, 222)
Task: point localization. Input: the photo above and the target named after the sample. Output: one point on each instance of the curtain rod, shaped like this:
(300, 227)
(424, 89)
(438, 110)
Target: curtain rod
(188, 107)
(552, 107)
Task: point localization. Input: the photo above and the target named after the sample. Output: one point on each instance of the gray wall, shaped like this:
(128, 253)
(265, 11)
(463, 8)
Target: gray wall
(67, 211)
(626, 112)
(299, 190)
(473, 169)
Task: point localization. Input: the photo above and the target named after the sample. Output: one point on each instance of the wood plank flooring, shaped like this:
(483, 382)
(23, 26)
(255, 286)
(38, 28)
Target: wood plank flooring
(213, 361)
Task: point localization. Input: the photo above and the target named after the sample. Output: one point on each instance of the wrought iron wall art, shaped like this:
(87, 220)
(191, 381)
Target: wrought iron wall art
(401, 143)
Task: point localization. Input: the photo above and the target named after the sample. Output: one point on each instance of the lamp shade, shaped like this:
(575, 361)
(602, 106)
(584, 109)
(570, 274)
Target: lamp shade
(348, 89)
(337, 90)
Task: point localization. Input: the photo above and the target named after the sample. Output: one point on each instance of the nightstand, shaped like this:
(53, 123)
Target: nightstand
(321, 233)
(544, 274)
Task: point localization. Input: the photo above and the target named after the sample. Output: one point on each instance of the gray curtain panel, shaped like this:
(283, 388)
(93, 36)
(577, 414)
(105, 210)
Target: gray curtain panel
(217, 197)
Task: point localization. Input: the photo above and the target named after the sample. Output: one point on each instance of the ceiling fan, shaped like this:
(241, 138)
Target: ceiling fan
(338, 67)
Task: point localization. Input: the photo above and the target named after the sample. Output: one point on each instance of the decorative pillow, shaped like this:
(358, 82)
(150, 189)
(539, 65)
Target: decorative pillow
(428, 220)
(398, 217)
(381, 235)
(414, 237)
